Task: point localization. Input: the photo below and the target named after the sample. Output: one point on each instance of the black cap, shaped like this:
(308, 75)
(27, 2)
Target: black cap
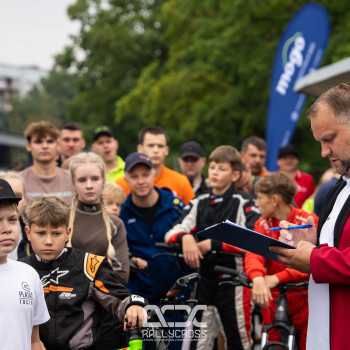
(286, 151)
(6, 192)
(135, 159)
(102, 130)
(191, 149)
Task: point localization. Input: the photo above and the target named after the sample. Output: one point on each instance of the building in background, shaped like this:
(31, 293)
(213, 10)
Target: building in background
(17, 81)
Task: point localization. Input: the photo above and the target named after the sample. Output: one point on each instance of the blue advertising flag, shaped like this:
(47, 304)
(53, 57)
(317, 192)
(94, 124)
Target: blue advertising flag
(299, 52)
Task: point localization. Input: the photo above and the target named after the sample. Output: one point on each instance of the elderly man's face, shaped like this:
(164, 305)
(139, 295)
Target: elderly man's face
(334, 137)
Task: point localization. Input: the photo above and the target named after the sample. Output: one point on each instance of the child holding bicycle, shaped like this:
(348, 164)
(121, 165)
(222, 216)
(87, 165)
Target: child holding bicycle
(76, 284)
(223, 202)
(275, 193)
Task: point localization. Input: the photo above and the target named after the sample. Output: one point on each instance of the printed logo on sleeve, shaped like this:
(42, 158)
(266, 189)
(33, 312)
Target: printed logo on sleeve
(137, 298)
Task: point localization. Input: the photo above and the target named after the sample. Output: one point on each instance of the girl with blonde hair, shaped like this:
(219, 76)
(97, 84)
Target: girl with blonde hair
(93, 229)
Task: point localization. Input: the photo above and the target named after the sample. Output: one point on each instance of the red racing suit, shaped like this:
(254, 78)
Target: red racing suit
(257, 265)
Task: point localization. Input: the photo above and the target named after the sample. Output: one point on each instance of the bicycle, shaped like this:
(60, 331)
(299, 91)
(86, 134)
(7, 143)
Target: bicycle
(282, 321)
(136, 336)
(214, 329)
(235, 278)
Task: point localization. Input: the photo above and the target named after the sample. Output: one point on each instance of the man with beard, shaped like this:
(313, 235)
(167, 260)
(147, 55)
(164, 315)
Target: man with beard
(325, 252)
(253, 153)
(44, 177)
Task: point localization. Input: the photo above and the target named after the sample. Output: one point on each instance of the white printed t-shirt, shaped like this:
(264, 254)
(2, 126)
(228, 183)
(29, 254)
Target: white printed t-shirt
(22, 305)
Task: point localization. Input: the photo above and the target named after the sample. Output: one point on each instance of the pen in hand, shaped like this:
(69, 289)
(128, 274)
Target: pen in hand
(290, 227)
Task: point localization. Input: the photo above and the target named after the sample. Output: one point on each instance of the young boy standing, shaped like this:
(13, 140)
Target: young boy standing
(224, 202)
(22, 301)
(44, 177)
(275, 194)
(76, 284)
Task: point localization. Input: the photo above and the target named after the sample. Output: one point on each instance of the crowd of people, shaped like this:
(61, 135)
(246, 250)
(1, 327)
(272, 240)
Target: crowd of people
(88, 223)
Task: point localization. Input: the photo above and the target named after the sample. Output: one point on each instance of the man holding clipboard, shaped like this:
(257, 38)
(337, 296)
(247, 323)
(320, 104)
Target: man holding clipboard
(325, 253)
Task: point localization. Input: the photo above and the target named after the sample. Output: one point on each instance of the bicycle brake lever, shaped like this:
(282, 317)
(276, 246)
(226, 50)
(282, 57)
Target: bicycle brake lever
(244, 280)
(189, 279)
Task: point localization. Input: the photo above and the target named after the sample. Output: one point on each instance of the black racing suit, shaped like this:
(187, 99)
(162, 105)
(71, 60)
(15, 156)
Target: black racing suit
(233, 303)
(77, 286)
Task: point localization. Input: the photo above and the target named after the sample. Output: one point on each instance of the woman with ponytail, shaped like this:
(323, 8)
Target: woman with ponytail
(93, 230)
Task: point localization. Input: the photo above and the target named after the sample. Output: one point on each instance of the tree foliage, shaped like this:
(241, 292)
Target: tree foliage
(117, 40)
(214, 85)
(200, 68)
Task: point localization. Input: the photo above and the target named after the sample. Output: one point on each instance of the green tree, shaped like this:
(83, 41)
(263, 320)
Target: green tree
(117, 40)
(200, 68)
(214, 85)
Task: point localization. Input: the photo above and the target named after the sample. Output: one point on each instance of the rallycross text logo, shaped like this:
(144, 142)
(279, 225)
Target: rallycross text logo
(174, 331)
(184, 308)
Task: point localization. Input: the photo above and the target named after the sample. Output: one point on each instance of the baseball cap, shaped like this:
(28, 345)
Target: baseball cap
(286, 151)
(102, 130)
(191, 149)
(135, 159)
(6, 192)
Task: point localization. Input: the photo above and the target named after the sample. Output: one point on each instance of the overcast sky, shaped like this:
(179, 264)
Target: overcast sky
(33, 31)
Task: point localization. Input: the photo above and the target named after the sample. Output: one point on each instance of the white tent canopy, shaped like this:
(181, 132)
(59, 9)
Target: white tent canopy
(321, 80)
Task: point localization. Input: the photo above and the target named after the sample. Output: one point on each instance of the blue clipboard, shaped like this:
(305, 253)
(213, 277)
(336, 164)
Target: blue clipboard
(241, 237)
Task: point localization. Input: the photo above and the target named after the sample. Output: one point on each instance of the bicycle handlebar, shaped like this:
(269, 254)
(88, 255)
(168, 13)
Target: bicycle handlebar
(239, 278)
(175, 249)
(182, 283)
(303, 284)
(226, 270)
(135, 339)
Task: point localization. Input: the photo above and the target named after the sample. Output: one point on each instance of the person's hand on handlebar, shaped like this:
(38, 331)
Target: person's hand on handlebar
(141, 264)
(204, 246)
(134, 316)
(191, 251)
(261, 292)
(271, 281)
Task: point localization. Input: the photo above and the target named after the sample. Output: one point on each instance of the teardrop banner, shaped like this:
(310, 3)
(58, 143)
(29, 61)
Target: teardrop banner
(299, 52)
